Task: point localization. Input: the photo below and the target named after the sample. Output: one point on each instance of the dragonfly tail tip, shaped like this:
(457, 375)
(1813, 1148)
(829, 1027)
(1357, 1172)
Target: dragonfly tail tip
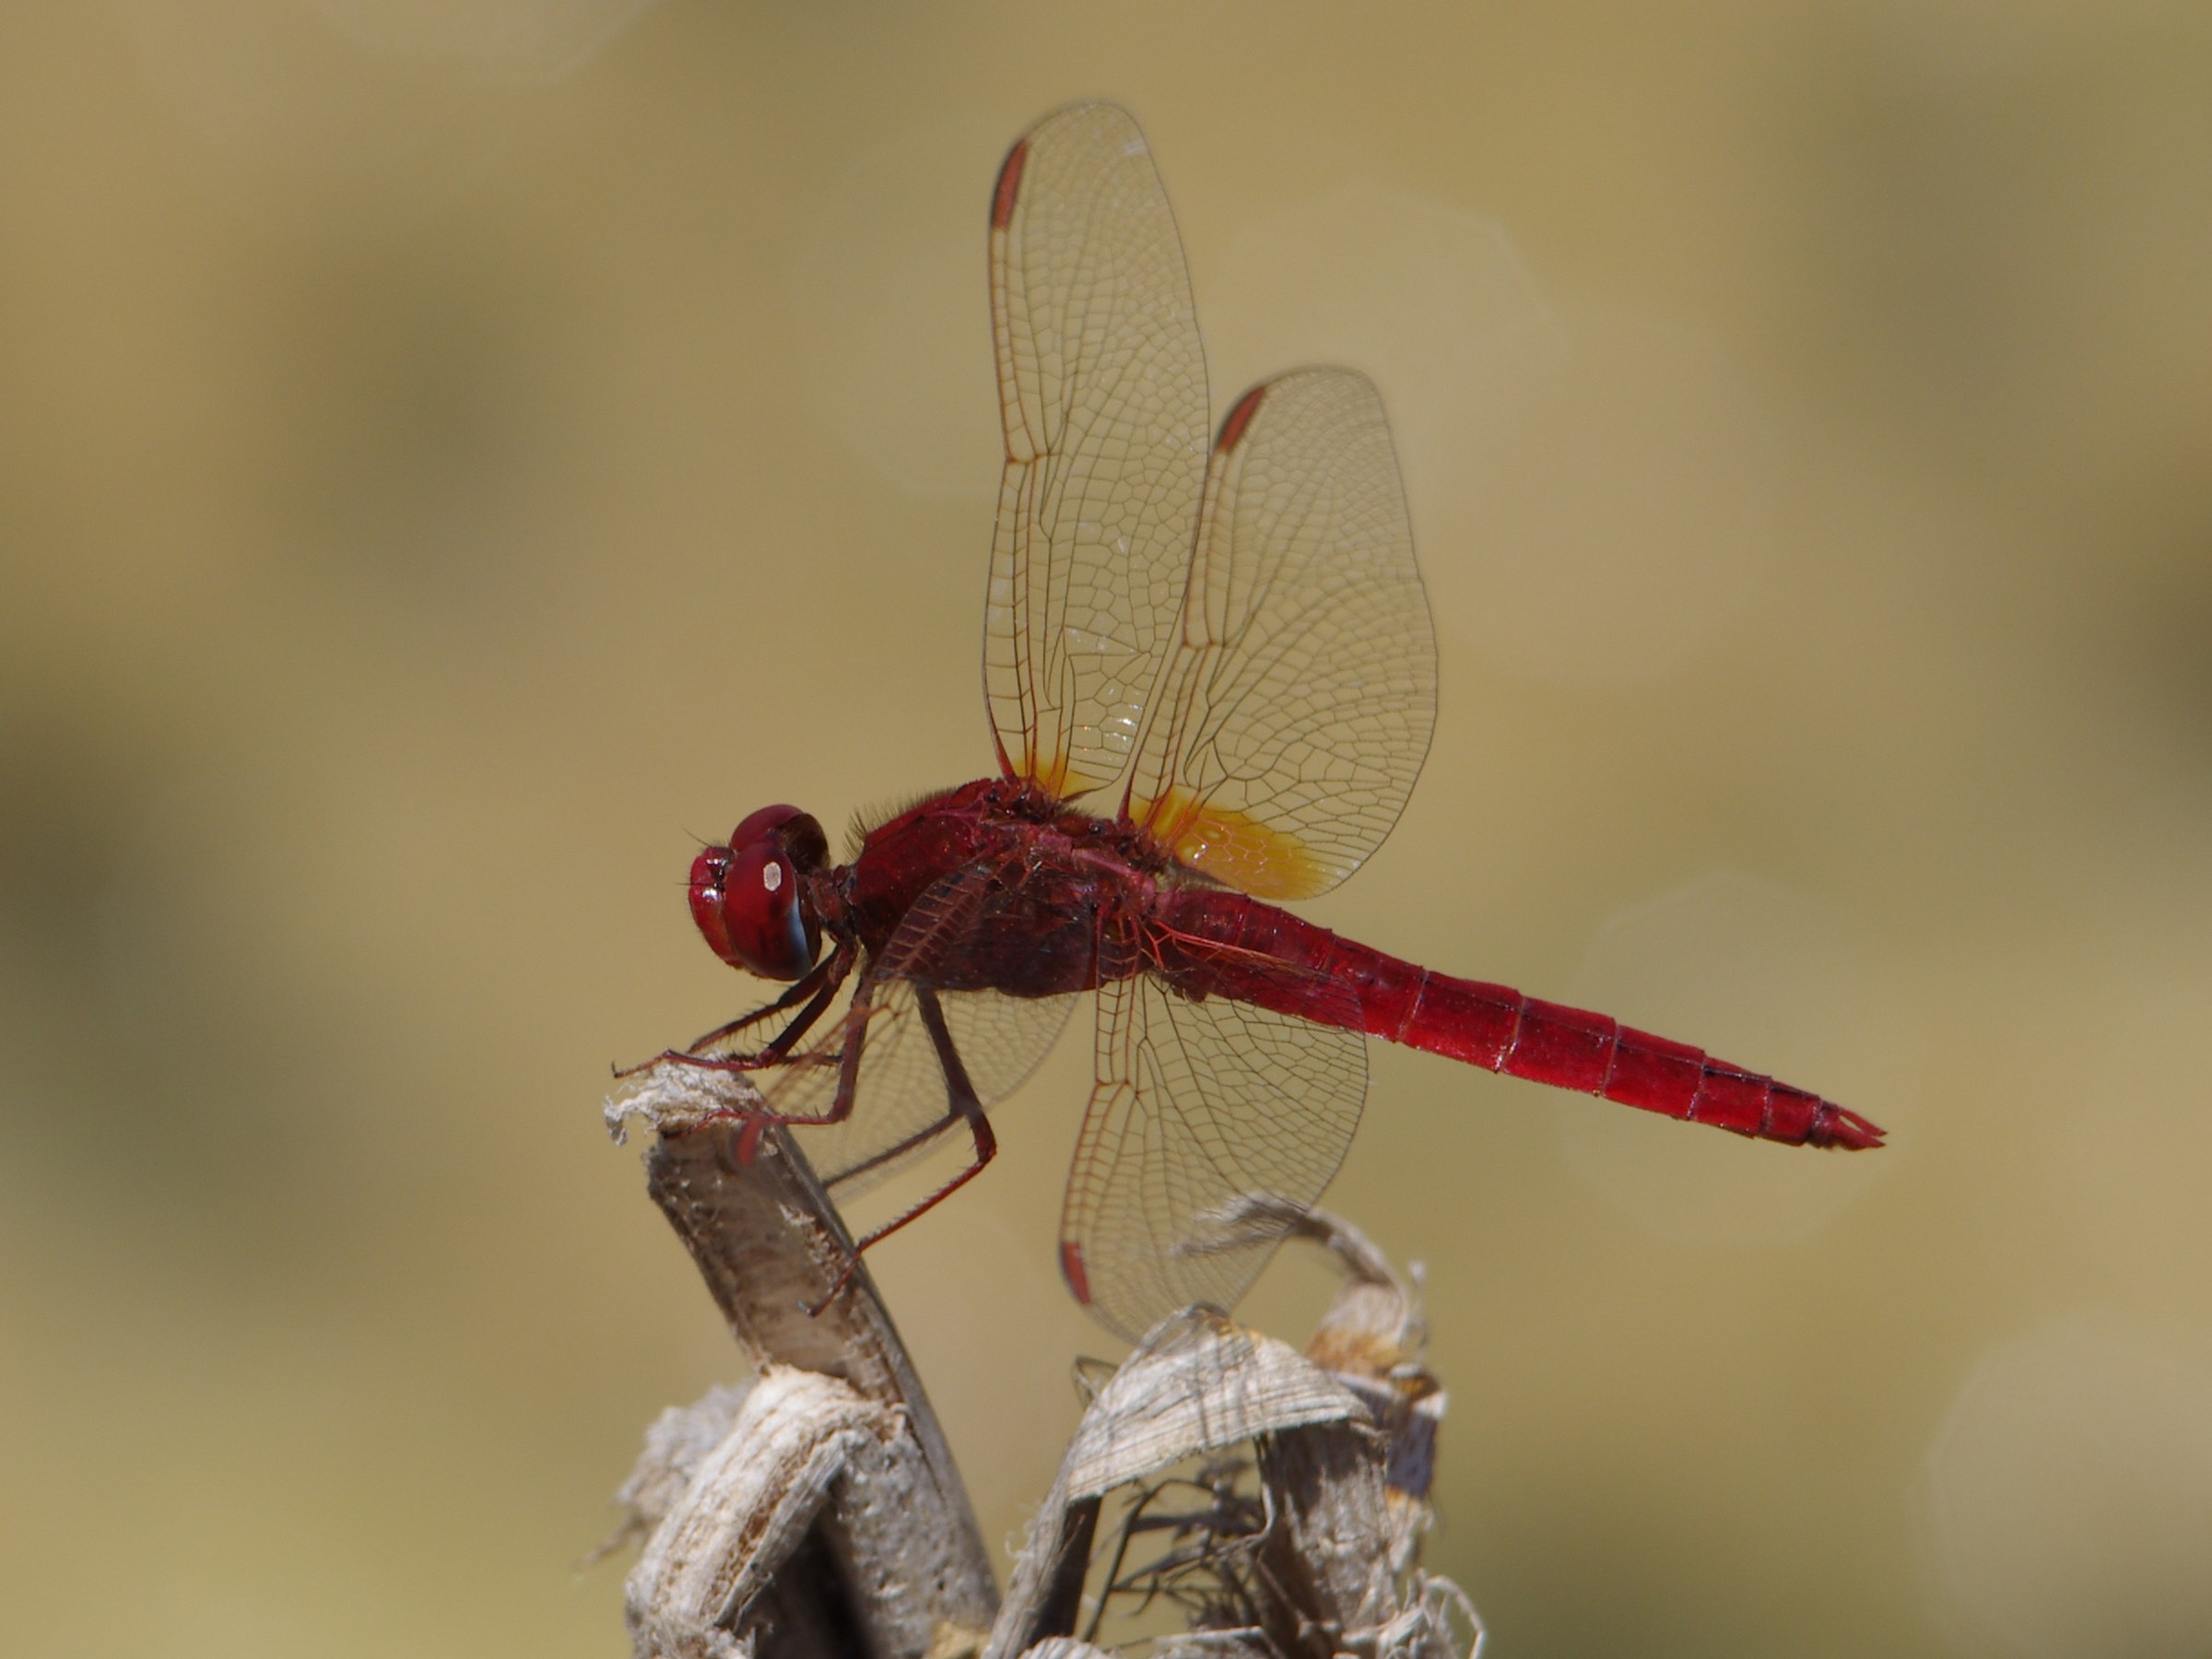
(1847, 1130)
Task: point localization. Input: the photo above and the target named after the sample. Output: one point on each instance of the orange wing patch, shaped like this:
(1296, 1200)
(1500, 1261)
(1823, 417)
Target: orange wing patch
(1055, 774)
(1053, 779)
(1236, 851)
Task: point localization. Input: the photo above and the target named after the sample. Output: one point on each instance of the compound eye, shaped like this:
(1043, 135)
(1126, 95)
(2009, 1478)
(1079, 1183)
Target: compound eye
(796, 832)
(761, 824)
(764, 920)
(750, 898)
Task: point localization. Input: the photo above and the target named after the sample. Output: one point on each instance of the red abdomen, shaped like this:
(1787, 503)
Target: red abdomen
(1214, 944)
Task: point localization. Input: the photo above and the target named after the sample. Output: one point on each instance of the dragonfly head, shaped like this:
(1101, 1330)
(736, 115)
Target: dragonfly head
(751, 899)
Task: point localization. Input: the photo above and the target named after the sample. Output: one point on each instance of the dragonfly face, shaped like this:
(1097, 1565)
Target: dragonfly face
(750, 898)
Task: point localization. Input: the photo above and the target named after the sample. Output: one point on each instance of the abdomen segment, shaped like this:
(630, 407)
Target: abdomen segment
(1228, 945)
(1496, 1026)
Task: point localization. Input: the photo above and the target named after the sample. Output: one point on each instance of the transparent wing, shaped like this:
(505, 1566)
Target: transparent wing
(899, 1096)
(1102, 393)
(1297, 705)
(1197, 1104)
(899, 1100)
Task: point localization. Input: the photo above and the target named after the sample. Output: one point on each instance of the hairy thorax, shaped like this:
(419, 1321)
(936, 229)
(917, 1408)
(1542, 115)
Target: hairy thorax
(1034, 899)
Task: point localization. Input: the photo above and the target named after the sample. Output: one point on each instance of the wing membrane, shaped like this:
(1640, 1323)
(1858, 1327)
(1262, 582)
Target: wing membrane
(1297, 706)
(1102, 394)
(1197, 1103)
(899, 1092)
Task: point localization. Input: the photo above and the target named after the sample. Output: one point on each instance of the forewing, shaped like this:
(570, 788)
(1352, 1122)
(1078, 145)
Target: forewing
(1102, 393)
(1298, 703)
(900, 1090)
(1197, 1104)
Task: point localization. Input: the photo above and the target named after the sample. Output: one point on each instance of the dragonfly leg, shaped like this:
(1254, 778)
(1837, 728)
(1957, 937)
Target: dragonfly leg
(794, 995)
(854, 1043)
(818, 990)
(962, 1105)
(928, 1131)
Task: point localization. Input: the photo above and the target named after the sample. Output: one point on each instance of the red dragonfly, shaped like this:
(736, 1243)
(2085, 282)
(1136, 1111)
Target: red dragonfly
(1212, 677)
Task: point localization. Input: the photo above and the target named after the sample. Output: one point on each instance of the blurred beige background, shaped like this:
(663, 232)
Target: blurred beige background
(453, 453)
